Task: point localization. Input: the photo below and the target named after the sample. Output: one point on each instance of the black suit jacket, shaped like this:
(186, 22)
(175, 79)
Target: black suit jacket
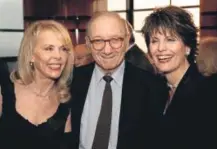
(4, 77)
(137, 57)
(139, 87)
(209, 112)
(5, 83)
(183, 126)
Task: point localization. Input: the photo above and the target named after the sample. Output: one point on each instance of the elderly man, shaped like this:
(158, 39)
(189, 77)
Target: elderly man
(82, 55)
(111, 97)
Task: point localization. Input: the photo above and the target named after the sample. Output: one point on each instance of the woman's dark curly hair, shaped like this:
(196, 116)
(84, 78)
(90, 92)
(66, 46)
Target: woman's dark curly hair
(178, 22)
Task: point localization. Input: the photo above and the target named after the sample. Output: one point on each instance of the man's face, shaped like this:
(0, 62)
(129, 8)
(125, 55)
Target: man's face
(108, 42)
(82, 55)
(81, 60)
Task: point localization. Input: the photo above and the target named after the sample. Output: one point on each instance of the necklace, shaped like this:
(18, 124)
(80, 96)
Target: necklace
(39, 94)
(173, 87)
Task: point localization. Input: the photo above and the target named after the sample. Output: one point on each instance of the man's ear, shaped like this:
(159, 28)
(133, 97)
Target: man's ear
(87, 42)
(128, 38)
(127, 41)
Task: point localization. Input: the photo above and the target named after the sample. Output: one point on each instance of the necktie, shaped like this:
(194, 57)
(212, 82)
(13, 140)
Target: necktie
(102, 134)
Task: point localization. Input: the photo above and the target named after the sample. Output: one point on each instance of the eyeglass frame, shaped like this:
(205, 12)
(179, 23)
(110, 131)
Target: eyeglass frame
(106, 40)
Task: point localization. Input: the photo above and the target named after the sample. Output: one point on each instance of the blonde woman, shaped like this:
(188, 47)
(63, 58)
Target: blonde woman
(37, 114)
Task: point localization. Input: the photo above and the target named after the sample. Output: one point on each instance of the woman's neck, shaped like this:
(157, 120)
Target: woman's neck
(41, 87)
(174, 77)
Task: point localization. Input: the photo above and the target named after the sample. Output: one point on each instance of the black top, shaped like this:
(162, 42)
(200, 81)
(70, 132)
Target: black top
(184, 125)
(18, 132)
(210, 112)
(4, 77)
(137, 57)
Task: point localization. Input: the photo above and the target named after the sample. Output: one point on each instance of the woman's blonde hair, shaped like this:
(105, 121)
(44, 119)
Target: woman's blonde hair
(207, 56)
(25, 72)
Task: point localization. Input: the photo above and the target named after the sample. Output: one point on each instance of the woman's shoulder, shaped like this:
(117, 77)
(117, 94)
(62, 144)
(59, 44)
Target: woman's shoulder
(210, 82)
(4, 74)
(64, 107)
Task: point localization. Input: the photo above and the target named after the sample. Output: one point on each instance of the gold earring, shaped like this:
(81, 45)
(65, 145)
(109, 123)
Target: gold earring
(31, 65)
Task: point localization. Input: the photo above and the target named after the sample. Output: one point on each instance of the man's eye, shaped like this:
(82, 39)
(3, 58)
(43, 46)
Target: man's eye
(115, 39)
(97, 41)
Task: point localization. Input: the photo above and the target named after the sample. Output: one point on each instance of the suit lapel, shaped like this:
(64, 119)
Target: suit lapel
(184, 88)
(123, 113)
(126, 94)
(134, 105)
(128, 113)
(80, 85)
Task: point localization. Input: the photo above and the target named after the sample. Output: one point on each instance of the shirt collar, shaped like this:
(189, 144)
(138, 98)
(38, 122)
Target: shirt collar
(117, 75)
(131, 46)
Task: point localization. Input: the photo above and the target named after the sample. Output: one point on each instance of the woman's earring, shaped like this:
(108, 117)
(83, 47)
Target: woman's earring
(187, 52)
(31, 65)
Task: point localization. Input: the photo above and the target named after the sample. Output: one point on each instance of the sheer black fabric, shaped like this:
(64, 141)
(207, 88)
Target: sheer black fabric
(18, 132)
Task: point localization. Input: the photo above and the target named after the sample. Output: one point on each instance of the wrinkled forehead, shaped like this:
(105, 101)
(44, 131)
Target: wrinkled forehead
(107, 25)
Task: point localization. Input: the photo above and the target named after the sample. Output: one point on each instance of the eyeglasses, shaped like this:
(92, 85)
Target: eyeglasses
(99, 44)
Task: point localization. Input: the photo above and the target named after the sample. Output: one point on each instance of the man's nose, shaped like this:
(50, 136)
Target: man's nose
(108, 48)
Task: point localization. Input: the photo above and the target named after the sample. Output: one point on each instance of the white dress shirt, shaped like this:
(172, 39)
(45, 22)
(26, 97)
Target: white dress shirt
(92, 107)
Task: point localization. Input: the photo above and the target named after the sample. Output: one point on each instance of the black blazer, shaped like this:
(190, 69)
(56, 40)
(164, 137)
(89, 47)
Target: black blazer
(139, 87)
(137, 57)
(5, 82)
(209, 114)
(182, 127)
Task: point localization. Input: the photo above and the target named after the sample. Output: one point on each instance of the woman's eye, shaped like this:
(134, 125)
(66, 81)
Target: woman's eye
(153, 41)
(49, 48)
(171, 39)
(65, 49)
